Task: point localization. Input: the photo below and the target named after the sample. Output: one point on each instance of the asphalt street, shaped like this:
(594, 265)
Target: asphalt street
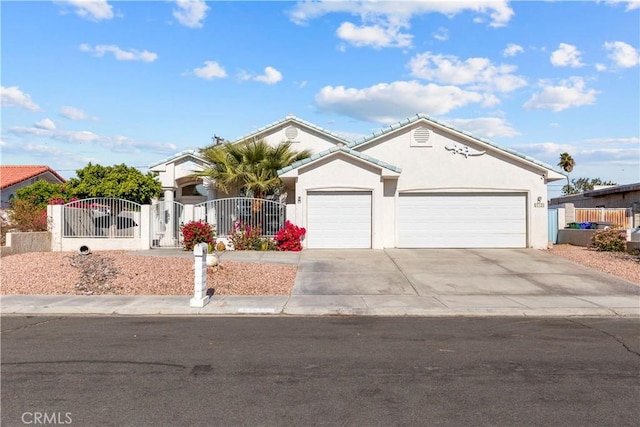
(330, 371)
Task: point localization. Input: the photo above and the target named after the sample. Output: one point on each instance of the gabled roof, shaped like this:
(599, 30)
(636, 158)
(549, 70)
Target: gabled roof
(340, 149)
(175, 157)
(12, 175)
(293, 119)
(423, 117)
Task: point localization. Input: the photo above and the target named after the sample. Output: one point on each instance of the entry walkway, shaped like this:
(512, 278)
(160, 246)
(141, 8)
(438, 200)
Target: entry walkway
(396, 282)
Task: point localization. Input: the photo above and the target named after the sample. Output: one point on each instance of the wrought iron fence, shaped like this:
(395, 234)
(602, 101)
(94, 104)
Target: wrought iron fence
(226, 214)
(101, 217)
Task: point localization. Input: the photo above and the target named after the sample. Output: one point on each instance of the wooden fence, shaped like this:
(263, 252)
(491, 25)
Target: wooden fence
(619, 218)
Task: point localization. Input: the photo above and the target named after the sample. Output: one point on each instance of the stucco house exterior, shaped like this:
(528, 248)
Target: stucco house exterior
(416, 184)
(14, 177)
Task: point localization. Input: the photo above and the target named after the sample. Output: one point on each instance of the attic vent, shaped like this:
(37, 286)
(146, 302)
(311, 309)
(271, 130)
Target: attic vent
(291, 133)
(421, 135)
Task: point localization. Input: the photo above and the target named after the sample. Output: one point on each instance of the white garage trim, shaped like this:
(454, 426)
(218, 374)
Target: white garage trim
(338, 219)
(470, 220)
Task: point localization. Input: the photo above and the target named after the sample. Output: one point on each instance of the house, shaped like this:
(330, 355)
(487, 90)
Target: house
(14, 177)
(615, 196)
(416, 184)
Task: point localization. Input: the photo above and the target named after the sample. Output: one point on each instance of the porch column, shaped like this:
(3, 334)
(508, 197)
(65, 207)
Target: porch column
(210, 186)
(169, 234)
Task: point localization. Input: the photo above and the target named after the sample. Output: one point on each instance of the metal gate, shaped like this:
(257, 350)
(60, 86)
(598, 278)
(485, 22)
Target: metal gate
(166, 219)
(226, 214)
(553, 225)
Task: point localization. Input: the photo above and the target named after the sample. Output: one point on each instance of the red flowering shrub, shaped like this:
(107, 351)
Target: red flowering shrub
(195, 232)
(26, 215)
(289, 237)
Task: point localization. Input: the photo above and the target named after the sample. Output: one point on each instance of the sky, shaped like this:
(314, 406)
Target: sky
(113, 82)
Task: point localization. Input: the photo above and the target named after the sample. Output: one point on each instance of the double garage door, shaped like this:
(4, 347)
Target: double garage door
(462, 221)
(343, 220)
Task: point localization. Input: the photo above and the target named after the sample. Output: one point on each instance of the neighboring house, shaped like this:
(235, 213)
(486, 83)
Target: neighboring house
(615, 196)
(416, 184)
(13, 178)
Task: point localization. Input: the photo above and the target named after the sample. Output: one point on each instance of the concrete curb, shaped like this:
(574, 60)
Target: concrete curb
(325, 305)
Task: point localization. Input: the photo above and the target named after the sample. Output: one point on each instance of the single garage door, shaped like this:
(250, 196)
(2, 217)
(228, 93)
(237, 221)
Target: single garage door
(462, 221)
(339, 219)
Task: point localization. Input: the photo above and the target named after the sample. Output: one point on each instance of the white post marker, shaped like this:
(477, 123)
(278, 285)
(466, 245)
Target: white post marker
(200, 298)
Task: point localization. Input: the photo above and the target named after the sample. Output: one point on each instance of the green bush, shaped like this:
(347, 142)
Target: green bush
(42, 192)
(609, 241)
(247, 238)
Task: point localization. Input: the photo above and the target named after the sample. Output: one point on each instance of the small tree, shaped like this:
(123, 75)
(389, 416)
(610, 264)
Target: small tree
(119, 181)
(581, 185)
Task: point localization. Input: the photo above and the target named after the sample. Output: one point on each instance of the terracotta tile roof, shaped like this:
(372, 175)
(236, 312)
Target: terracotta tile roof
(11, 175)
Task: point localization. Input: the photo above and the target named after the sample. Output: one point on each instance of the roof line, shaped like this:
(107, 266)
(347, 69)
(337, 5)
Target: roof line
(422, 116)
(292, 118)
(343, 149)
(189, 152)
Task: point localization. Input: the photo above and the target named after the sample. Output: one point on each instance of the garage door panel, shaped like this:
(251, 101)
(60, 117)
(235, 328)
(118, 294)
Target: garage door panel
(339, 219)
(462, 221)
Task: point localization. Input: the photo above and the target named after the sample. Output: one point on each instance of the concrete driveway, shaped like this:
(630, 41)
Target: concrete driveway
(450, 272)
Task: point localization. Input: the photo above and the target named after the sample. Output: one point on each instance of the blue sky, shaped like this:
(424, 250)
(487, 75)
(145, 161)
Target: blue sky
(135, 82)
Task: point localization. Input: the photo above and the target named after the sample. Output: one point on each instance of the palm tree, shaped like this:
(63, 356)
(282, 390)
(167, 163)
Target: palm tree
(250, 164)
(567, 163)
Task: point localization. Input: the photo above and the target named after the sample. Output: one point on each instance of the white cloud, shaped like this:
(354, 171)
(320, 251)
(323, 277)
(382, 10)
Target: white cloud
(566, 55)
(92, 10)
(120, 54)
(600, 141)
(512, 49)
(601, 67)
(441, 34)
(622, 54)
(389, 102)
(376, 36)
(117, 143)
(270, 76)
(210, 71)
(191, 13)
(485, 127)
(73, 113)
(498, 11)
(12, 96)
(476, 72)
(630, 4)
(569, 93)
(46, 124)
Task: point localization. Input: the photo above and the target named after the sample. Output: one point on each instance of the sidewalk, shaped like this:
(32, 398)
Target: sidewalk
(325, 305)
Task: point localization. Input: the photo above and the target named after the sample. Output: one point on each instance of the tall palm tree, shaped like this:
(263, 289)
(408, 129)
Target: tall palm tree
(567, 163)
(250, 164)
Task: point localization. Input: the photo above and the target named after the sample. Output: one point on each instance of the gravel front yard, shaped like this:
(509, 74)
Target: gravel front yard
(623, 265)
(116, 273)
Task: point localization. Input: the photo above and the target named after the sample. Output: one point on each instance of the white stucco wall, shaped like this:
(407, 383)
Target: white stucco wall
(307, 139)
(342, 173)
(436, 169)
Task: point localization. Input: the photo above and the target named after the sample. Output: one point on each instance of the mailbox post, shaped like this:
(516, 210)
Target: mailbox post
(200, 298)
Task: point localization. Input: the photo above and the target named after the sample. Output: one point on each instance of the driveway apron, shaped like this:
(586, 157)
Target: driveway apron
(349, 272)
(450, 272)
